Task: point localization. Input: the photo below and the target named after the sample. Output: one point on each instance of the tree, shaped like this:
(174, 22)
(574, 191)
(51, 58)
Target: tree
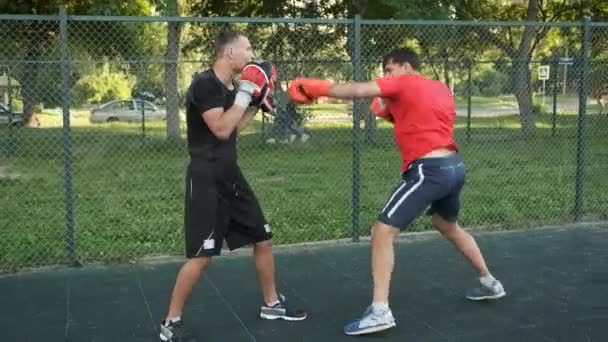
(32, 42)
(174, 30)
(520, 44)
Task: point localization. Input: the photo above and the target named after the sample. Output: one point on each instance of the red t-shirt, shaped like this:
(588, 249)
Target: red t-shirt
(424, 113)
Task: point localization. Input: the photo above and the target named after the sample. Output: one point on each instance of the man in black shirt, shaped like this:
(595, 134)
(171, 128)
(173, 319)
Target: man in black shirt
(220, 204)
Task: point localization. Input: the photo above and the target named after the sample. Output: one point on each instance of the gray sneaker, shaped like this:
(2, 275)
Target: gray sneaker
(483, 292)
(174, 332)
(282, 311)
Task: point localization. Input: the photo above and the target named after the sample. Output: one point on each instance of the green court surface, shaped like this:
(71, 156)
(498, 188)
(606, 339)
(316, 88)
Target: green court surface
(556, 280)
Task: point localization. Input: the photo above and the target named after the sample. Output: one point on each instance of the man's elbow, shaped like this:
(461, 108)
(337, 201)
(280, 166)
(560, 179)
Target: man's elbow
(365, 90)
(222, 133)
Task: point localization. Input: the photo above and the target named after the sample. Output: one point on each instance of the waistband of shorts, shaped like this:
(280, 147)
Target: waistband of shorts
(209, 153)
(452, 159)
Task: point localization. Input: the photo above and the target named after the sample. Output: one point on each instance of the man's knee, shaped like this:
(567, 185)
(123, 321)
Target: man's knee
(199, 262)
(445, 227)
(263, 246)
(383, 231)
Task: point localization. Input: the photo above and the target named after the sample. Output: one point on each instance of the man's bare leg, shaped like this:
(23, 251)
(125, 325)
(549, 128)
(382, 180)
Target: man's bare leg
(264, 265)
(187, 278)
(463, 241)
(378, 316)
(466, 244)
(383, 259)
(275, 306)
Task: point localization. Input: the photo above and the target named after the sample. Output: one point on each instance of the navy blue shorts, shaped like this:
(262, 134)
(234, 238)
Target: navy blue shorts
(433, 183)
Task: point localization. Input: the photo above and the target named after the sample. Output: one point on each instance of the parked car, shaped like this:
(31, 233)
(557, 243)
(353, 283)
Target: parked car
(126, 110)
(16, 119)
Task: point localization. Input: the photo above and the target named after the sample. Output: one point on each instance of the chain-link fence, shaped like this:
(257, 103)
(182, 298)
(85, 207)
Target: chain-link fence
(88, 180)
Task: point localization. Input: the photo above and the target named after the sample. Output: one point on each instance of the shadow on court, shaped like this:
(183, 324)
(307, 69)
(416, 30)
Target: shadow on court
(556, 282)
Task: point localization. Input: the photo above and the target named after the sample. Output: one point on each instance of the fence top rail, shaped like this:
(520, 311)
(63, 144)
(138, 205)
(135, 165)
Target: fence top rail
(270, 20)
(247, 20)
(31, 17)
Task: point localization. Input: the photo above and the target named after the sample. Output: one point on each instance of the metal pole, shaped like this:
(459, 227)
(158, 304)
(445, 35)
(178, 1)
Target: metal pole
(357, 75)
(469, 95)
(12, 143)
(143, 118)
(68, 154)
(554, 83)
(582, 108)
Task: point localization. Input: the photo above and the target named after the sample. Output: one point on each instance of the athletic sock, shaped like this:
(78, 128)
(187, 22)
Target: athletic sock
(379, 307)
(173, 320)
(487, 281)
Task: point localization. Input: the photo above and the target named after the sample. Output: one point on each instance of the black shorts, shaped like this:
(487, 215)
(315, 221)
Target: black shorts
(220, 205)
(433, 183)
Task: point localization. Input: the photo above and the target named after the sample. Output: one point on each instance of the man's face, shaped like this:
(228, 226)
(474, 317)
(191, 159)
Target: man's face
(396, 69)
(240, 52)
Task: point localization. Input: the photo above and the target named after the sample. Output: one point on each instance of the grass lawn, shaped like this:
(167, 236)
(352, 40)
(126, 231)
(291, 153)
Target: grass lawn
(128, 191)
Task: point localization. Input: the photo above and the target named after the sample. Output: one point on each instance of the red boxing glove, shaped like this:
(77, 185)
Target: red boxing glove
(306, 90)
(257, 80)
(379, 108)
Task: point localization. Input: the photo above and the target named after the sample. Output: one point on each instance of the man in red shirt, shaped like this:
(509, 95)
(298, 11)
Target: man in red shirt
(433, 173)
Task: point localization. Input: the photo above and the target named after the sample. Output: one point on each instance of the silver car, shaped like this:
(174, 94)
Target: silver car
(126, 110)
(16, 119)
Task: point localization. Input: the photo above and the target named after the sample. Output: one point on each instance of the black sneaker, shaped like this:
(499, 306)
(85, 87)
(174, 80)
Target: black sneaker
(483, 292)
(173, 331)
(282, 311)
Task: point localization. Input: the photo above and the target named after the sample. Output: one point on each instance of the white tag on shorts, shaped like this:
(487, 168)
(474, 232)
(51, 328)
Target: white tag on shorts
(267, 228)
(209, 244)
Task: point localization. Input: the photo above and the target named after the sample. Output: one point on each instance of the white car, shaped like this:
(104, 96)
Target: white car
(16, 119)
(127, 110)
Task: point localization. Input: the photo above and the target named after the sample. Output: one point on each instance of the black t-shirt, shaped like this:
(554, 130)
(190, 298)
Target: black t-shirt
(207, 92)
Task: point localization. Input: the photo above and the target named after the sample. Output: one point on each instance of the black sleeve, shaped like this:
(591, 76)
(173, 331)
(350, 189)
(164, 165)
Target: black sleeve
(206, 94)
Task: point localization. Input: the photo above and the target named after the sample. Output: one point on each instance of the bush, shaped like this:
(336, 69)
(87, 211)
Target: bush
(492, 83)
(538, 107)
(102, 86)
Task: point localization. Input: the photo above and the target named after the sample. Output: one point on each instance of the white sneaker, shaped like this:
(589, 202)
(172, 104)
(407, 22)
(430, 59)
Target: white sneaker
(371, 322)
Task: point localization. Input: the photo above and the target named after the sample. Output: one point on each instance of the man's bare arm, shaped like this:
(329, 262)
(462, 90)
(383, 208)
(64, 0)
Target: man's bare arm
(355, 90)
(246, 119)
(222, 123)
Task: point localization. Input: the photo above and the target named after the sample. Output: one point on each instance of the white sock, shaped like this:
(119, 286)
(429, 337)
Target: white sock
(173, 319)
(379, 307)
(273, 304)
(487, 280)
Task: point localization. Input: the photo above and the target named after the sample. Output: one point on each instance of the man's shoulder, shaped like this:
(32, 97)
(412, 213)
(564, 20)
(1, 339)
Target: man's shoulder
(205, 77)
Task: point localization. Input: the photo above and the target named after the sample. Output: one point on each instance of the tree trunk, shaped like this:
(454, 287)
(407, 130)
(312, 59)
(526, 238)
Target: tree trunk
(521, 71)
(171, 63)
(523, 94)
(29, 89)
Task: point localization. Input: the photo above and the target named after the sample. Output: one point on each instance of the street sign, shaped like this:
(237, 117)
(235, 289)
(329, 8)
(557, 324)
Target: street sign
(566, 60)
(543, 72)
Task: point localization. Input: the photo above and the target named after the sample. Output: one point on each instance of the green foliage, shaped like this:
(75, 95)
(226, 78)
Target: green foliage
(129, 191)
(102, 86)
(492, 83)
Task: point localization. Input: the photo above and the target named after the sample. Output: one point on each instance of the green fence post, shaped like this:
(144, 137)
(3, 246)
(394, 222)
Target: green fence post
(12, 141)
(66, 137)
(357, 75)
(554, 84)
(582, 118)
(469, 95)
(143, 118)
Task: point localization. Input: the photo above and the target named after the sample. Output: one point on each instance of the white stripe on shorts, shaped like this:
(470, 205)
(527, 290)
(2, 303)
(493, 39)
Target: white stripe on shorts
(407, 193)
(394, 194)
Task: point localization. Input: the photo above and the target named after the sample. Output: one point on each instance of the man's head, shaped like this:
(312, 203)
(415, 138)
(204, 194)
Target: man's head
(400, 61)
(234, 49)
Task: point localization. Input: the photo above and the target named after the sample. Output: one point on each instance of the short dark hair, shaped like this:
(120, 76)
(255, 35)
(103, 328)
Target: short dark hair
(224, 38)
(402, 55)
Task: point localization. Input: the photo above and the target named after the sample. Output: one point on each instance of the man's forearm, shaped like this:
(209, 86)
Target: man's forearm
(246, 118)
(354, 90)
